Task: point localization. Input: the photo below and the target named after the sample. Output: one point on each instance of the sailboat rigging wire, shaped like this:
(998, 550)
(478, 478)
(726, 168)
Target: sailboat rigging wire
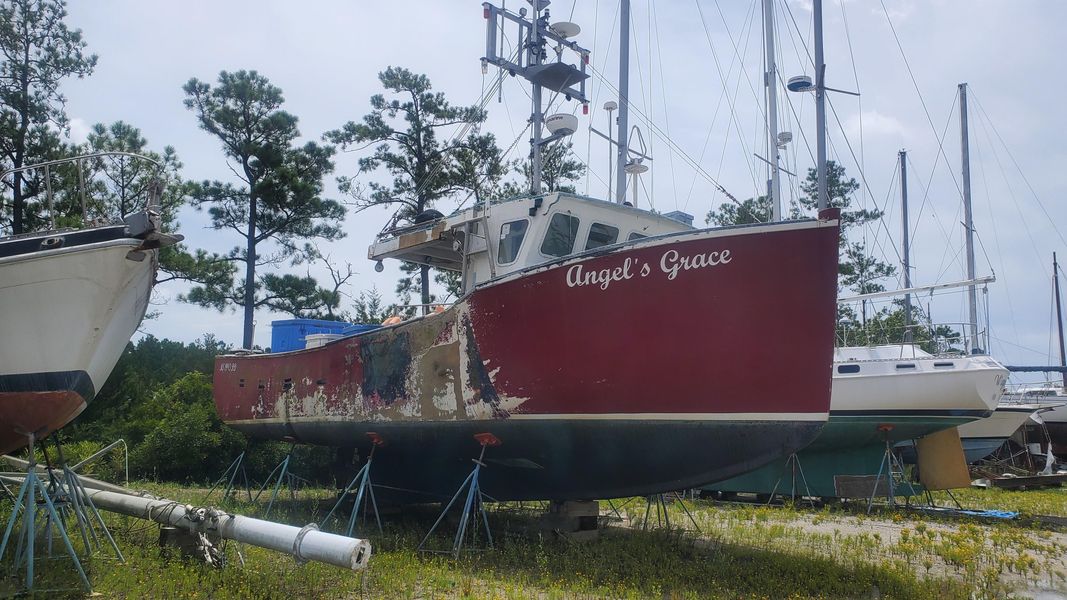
(1021, 347)
(788, 99)
(863, 177)
(894, 179)
(915, 84)
(1019, 169)
(503, 156)
(655, 130)
(802, 37)
(933, 169)
(1011, 189)
(707, 139)
(732, 100)
(663, 94)
(737, 53)
(588, 129)
(862, 158)
(461, 132)
(996, 240)
(596, 90)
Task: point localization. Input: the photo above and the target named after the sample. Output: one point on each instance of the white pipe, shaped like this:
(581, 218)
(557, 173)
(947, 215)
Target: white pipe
(305, 544)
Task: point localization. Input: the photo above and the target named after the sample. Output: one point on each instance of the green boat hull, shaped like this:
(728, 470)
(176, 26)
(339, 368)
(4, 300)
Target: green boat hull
(848, 445)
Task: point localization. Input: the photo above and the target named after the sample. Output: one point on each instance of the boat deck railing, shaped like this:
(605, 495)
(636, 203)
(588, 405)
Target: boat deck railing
(939, 339)
(79, 162)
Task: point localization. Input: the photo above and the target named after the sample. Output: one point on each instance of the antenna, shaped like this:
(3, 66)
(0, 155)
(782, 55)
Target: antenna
(560, 77)
(636, 166)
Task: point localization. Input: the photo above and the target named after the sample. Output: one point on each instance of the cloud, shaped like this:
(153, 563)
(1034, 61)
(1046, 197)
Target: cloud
(875, 123)
(79, 130)
(898, 11)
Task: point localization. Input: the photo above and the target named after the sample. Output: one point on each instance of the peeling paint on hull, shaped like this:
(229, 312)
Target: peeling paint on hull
(659, 381)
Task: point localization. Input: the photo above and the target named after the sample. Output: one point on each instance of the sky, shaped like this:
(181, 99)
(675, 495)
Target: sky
(696, 93)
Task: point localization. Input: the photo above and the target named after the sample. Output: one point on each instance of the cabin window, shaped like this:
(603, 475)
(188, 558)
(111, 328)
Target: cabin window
(636, 236)
(905, 366)
(511, 236)
(562, 232)
(601, 235)
(845, 369)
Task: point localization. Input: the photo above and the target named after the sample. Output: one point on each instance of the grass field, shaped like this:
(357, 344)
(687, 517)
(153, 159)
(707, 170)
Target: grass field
(741, 552)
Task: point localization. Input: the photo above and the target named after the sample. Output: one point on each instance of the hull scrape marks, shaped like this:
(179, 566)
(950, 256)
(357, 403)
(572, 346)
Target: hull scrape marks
(478, 376)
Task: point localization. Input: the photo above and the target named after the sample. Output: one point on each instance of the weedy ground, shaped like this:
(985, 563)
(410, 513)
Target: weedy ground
(740, 551)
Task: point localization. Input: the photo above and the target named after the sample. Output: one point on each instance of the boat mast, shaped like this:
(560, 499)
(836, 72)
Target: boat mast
(556, 76)
(820, 107)
(770, 80)
(535, 49)
(624, 103)
(1059, 316)
(968, 220)
(903, 154)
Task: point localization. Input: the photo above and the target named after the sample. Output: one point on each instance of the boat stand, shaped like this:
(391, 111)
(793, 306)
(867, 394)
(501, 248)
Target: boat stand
(893, 470)
(70, 496)
(793, 464)
(291, 480)
(474, 504)
(33, 497)
(361, 484)
(234, 476)
(662, 515)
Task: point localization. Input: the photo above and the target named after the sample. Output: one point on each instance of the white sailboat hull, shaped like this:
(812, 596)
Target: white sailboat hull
(915, 383)
(67, 315)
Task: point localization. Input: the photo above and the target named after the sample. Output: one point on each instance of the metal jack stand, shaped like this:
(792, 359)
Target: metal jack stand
(891, 466)
(32, 497)
(69, 494)
(793, 463)
(234, 476)
(361, 483)
(475, 503)
(662, 516)
(291, 480)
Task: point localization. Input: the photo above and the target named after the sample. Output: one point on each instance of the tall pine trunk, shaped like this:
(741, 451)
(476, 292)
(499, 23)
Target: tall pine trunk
(424, 280)
(18, 205)
(250, 275)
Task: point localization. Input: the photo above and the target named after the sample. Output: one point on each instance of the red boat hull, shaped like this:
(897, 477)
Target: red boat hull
(659, 365)
(36, 412)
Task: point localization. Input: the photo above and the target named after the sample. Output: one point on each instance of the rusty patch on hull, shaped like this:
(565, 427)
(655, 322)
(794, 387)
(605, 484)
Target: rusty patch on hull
(385, 365)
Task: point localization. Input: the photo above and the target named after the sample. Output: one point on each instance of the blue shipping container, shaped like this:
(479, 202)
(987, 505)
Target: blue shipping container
(288, 334)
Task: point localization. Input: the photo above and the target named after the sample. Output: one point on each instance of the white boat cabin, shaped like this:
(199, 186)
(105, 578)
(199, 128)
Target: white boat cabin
(489, 241)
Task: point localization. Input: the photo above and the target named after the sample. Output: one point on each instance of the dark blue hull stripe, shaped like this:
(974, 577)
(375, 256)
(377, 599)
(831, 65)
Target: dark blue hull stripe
(78, 382)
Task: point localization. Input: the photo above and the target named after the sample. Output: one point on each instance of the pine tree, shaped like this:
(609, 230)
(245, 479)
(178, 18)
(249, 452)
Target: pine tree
(406, 131)
(279, 197)
(39, 51)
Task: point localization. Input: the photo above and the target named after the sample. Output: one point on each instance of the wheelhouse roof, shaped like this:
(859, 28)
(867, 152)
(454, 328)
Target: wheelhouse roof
(434, 241)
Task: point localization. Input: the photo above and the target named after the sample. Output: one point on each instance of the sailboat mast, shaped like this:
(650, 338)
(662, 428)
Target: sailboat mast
(820, 107)
(968, 220)
(536, 47)
(903, 155)
(624, 103)
(770, 80)
(1059, 316)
